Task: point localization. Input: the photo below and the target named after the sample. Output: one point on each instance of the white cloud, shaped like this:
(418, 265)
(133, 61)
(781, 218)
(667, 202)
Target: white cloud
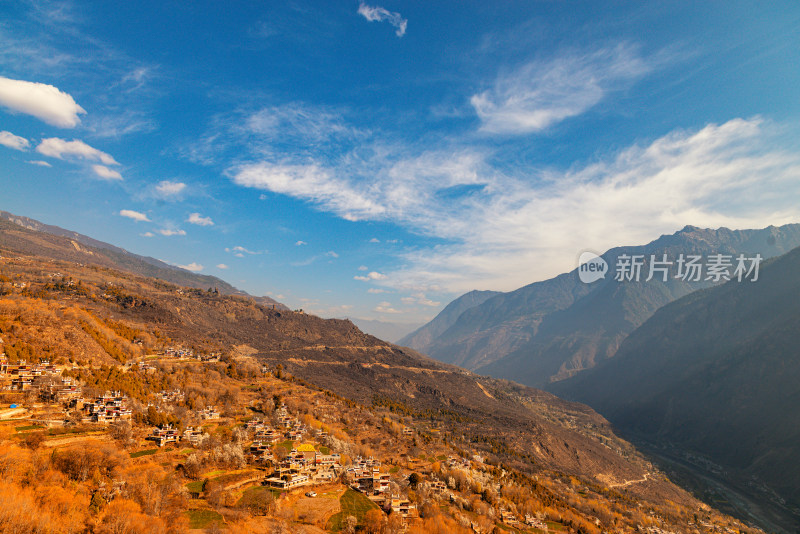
(402, 190)
(171, 232)
(331, 254)
(300, 243)
(40, 100)
(363, 268)
(196, 218)
(40, 163)
(386, 307)
(148, 234)
(378, 14)
(240, 251)
(167, 188)
(498, 230)
(221, 266)
(376, 290)
(107, 174)
(374, 275)
(119, 124)
(722, 175)
(309, 181)
(194, 267)
(135, 215)
(136, 78)
(374, 240)
(299, 121)
(301, 130)
(420, 298)
(14, 141)
(542, 93)
(58, 148)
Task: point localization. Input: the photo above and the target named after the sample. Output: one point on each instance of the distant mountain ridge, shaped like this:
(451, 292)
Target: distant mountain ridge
(715, 372)
(446, 318)
(68, 246)
(551, 330)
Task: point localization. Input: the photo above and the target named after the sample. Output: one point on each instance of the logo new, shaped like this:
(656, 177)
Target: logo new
(591, 267)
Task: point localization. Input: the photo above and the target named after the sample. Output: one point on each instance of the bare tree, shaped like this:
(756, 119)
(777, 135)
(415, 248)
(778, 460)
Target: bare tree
(349, 525)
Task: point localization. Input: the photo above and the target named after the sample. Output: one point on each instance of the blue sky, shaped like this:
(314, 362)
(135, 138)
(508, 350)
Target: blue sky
(378, 159)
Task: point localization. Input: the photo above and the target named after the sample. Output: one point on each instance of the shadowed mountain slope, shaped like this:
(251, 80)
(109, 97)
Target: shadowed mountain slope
(715, 373)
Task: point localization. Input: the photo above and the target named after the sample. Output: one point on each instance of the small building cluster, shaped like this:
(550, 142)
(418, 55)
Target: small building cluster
(304, 465)
(367, 476)
(162, 436)
(21, 376)
(108, 408)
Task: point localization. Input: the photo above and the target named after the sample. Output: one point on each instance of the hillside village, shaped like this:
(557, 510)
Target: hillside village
(120, 428)
(281, 451)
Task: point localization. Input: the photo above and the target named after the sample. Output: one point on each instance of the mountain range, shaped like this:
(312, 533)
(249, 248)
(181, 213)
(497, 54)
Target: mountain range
(715, 375)
(524, 428)
(551, 330)
(710, 376)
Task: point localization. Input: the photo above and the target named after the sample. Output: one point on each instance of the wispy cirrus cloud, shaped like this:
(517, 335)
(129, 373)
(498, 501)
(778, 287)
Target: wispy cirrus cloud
(379, 14)
(39, 163)
(136, 78)
(296, 128)
(16, 142)
(299, 121)
(498, 229)
(544, 92)
(240, 251)
(332, 255)
(43, 101)
(119, 124)
(312, 182)
(375, 189)
(530, 232)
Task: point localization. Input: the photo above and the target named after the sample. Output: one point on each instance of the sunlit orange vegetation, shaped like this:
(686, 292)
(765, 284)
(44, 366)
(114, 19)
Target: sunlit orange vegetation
(439, 525)
(34, 329)
(94, 487)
